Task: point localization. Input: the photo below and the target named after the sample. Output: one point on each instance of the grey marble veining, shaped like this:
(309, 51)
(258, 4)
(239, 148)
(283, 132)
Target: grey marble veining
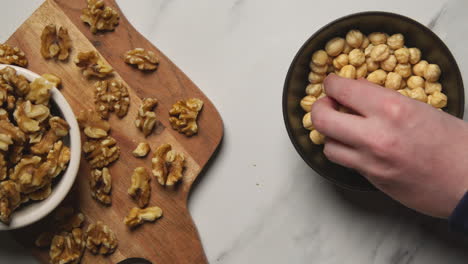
(259, 202)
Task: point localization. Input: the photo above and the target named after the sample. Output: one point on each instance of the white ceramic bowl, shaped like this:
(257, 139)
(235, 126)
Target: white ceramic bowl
(35, 211)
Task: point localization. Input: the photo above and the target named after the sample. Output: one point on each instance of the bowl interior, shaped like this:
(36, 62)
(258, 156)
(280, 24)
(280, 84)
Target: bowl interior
(416, 35)
(33, 212)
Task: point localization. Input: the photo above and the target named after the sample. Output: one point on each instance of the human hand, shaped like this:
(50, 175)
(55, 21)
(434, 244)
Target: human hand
(408, 149)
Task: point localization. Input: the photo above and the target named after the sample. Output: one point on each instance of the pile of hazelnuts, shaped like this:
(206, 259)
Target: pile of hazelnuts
(381, 59)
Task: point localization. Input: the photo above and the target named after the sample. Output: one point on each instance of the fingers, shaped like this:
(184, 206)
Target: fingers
(343, 127)
(360, 95)
(341, 154)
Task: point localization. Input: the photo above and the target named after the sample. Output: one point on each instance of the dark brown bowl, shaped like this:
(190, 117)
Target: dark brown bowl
(416, 35)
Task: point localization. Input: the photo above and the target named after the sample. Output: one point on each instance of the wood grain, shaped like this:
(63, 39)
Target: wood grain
(174, 238)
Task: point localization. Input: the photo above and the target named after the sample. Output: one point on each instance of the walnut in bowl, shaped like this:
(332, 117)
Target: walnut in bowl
(40, 145)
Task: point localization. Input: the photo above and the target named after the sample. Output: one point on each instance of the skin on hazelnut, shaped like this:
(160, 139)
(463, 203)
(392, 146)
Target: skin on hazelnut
(437, 99)
(356, 57)
(402, 55)
(432, 73)
(361, 71)
(378, 77)
(341, 61)
(372, 65)
(420, 67)
(307, 102)
(393, 81)
(307, 122)
(418, 94)
(403, 69)
(316, 137)
(378, 38)
(380, 52)
(389, 64)
(432, 87)
(316, 78)
(320, 58)
(318, 69)
(314, 89)
(354, 38)
(414, 55)
(365, 42)
(335, 46)
(415, 82)
(348, 71)
(396, 41)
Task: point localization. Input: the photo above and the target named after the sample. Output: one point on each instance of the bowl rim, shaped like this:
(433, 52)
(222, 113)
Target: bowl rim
(304, 46)
(44, 207)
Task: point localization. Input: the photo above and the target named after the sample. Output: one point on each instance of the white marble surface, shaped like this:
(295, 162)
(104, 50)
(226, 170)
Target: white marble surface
(259, 202)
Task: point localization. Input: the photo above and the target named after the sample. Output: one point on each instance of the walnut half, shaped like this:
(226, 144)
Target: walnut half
(12, 55)
(184, 116)
(99, 17)
(92, 64)
(143, 59)
(146, 119)
(10, 199)
(101, 239)
(55, 44)
(92, 124)
(138, 216)
(140, 190)
(67, 248)
(100, 182)
(101, 152)
(167, 165)
(111, 96)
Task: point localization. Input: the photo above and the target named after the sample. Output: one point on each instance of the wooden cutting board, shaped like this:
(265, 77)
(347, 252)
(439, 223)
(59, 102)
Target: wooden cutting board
(173, 238)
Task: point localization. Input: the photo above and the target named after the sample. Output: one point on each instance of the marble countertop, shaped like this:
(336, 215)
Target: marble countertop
(259, 202)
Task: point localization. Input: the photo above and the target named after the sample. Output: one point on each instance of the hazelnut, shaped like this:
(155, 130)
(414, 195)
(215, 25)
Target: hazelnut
(393, 81)
(418, 94)
(365, 42)
(378, 38)
(415, 82)
(316, 137)
(368, 50)
(320, 58)
(396, 41)
(347, 48)
(307, 102)
(380, 52)
(318, 69)
(340, 61)
(356, 57)
(361, 71)
(431, 87)
(437, 99)
(314, 89)
(403, 69)
(403, 84)
(414, 55)
(420, 67)
(377, 77)
(432, 73)
(307, 122)
(335, 46)
(348, 71)
(402, 55)
(389, 64)
(372, 65)
(316, 78)
(404, 92)
(354, 38)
